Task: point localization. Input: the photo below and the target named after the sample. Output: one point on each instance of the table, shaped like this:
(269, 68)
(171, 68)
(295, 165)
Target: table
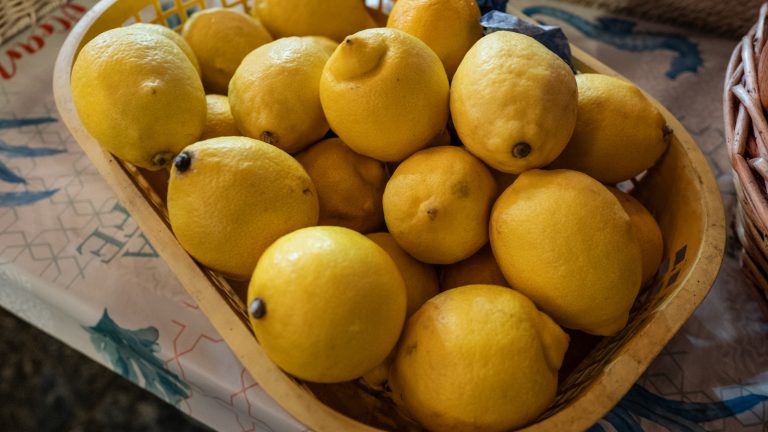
(74, 263)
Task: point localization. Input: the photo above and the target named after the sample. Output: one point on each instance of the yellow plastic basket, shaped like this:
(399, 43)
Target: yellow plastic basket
(680, 192)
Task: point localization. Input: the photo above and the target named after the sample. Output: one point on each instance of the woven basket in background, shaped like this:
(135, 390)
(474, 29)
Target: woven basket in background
(16, 15)
(746, 132)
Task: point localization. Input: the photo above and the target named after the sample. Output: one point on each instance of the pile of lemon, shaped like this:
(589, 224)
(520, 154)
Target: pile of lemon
(417, 206)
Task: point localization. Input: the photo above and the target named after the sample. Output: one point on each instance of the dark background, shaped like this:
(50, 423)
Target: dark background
(47, 386)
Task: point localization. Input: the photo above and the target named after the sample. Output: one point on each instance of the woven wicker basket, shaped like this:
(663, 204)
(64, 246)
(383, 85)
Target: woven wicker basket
(680, 191)
(746, 132)
(16, 15)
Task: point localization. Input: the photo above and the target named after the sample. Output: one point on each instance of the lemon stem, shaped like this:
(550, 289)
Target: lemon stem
(521, 150)
(182, 161)
(161, 159)
(258, 308)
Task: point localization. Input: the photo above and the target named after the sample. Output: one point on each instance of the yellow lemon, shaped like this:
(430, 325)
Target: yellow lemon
(647, 231)
(513, 102)
(349, 185)
(139, 95)
(173, 36)
(480, 268)
(221, 38)
(377, 377)
(619, 132)
(450, 27)
(436, 204)
(327, 304)
(274, 93)
(478, 357)
(421, 282)
(334, 19)
(218, 119)
(385, 93)
(564, 241)
(231, 197)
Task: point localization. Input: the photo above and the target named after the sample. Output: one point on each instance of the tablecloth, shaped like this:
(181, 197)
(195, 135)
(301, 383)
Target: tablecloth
(74, 263)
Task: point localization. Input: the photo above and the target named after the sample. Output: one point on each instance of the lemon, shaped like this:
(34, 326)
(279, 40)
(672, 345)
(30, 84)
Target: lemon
(327, 304)
(480, 268)
(349, 185)
(421, 282)
(450, 27)
(478, 357)
(173, 36)
(619, 133)
(385, 93)
(218, 119)
(513, 102)
(274, 92)
(139, 95)
(377, 377)
(221, 38)
(436, 204)
(330, 18)
(231, 197)
(647, 231)
(564, 241)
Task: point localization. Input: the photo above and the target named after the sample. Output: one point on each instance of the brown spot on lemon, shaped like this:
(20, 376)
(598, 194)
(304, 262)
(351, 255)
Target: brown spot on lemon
(461, 189)
(268, 137)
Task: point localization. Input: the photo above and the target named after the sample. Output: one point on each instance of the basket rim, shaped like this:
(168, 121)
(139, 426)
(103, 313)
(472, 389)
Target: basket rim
(590, 405)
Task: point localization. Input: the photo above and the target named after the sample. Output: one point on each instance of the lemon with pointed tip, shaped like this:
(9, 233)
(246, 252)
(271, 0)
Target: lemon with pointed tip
(156, 87)
(513, 102)
(327, 303)
(385, 93)
(218, 118)
(562, 239)
(229, 198)
(477, 357)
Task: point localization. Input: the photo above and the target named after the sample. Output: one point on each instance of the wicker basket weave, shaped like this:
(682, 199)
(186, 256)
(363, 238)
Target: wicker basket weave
(16, 15)
(746, 131)
(680, 192)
